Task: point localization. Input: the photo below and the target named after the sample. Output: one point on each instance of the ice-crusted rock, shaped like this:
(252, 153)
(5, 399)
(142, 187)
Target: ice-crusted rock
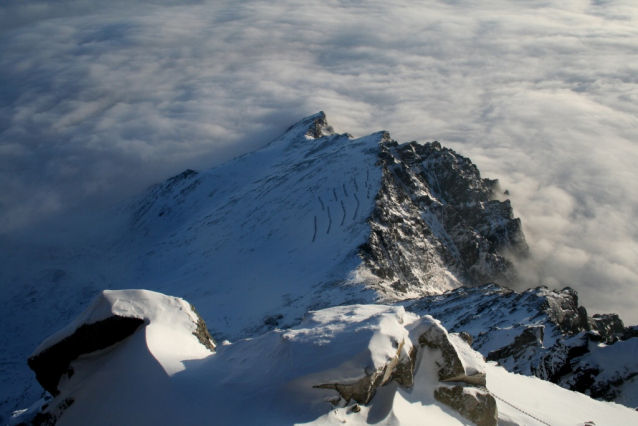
(475, 404)
(541, 332)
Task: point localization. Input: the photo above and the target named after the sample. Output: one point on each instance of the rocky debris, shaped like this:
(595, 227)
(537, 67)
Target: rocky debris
(437, 225)
(459, 367)
(541, 332)
(475, 404)
(52, 363)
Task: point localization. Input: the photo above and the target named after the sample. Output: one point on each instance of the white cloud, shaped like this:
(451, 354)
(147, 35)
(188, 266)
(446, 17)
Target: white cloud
(98, 102)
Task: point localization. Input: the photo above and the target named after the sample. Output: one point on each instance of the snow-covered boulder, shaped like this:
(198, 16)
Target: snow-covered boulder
(112, 317)
(367, 346)
(459, 362)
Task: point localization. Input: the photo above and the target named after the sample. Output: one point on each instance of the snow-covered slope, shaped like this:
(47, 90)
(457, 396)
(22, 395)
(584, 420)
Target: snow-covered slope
(357, 364)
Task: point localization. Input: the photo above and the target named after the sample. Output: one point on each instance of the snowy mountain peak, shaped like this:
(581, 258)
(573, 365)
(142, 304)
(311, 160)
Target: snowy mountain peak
(312, 127)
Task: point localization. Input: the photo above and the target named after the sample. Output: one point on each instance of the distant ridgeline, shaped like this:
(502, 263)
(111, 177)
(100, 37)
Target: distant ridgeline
(313, 221)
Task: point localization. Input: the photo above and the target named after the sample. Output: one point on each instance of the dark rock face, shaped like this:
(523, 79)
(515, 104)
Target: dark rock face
(52, 363)
(436, 214)
(530, 340)
(478, 406)
(610, 328)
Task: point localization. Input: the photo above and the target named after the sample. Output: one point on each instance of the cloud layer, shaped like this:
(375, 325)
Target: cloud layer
(96, 103)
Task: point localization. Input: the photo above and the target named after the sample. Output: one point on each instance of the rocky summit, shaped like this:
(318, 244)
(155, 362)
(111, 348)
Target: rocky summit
(335, 278)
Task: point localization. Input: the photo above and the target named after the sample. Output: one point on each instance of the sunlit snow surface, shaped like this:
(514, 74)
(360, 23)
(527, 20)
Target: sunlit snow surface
(275, 232)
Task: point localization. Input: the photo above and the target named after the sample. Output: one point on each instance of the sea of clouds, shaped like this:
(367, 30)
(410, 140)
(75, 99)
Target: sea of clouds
(101, 99)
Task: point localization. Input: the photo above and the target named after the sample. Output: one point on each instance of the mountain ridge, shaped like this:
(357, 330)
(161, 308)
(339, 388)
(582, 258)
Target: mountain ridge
(312, 220)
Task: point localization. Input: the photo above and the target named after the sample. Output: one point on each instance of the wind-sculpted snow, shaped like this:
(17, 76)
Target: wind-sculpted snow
(546, 334)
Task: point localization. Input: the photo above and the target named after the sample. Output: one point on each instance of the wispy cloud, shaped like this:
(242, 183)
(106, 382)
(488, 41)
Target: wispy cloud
(99, 101)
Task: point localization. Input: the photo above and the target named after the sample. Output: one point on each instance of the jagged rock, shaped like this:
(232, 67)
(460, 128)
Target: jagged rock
(541, 332)
(563, 309)
(609, 327)
(436, 225)
(476, 405)
(404, 370)
(528, 341)
(201, 331)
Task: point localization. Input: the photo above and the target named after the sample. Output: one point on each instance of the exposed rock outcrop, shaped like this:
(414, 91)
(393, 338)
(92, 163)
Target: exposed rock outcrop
(436, 224)
(462, 371)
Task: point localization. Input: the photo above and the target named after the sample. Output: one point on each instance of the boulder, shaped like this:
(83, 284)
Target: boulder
(475, 404)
